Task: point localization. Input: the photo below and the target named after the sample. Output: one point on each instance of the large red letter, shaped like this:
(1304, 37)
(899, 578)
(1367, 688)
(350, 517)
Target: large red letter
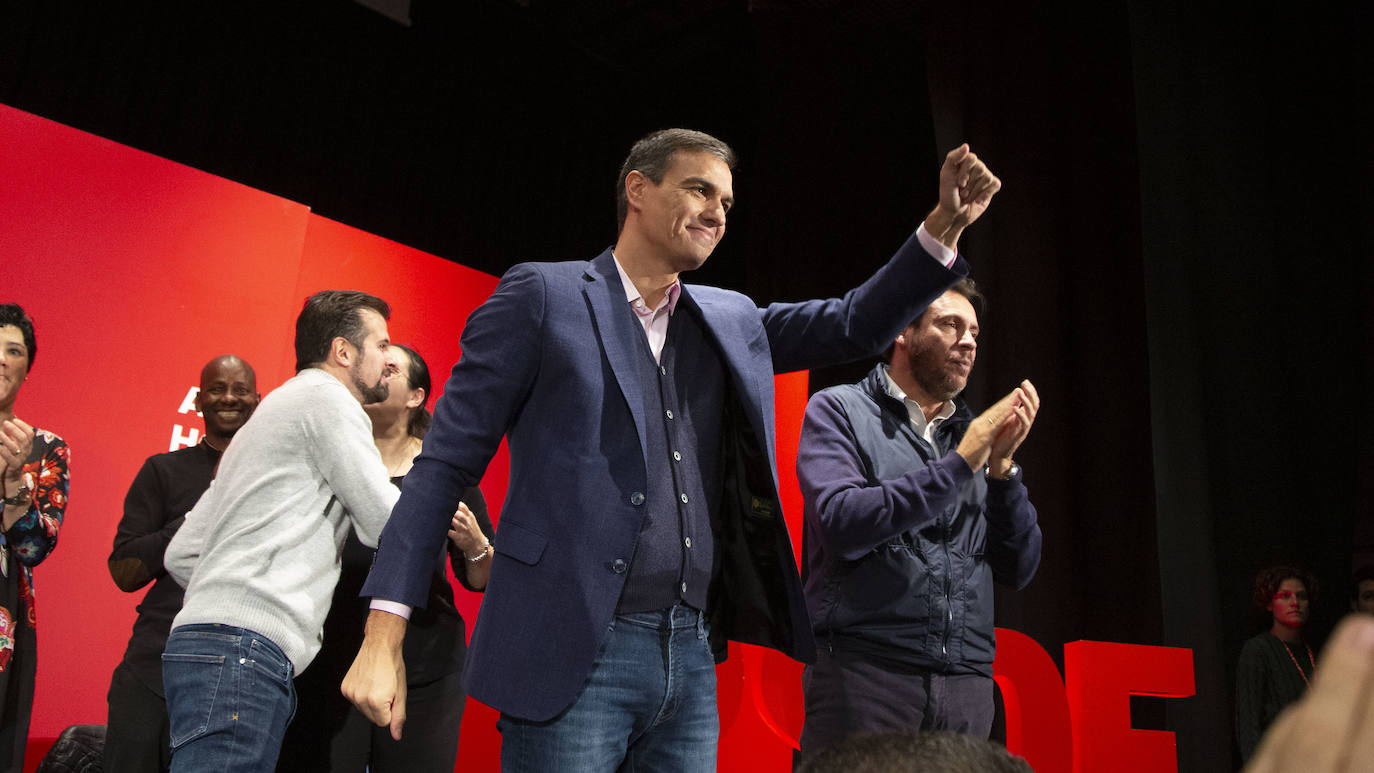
(1033, 695)
(1100, 678)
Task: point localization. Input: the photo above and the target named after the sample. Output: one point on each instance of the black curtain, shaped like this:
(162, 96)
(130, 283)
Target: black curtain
(1256, 243)
(1043, 92)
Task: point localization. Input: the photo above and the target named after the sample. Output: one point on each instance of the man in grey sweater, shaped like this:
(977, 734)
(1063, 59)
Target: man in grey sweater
(259, 553)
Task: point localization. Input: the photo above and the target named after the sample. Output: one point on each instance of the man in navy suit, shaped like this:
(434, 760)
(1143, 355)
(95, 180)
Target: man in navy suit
(642, 527)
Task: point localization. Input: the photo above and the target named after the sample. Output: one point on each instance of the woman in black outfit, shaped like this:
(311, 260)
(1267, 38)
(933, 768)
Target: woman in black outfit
(1276, 666)
(327, 732)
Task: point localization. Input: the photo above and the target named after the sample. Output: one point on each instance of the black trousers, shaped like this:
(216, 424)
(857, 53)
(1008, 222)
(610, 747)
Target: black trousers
(847, 695)
(136, 731)
(16, 693)
(328, 734)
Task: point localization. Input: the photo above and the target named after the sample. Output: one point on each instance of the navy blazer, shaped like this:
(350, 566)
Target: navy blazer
(548, 363)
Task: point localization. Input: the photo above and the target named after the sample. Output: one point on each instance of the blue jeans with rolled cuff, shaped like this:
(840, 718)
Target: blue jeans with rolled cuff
(229, 698)
(649, 705)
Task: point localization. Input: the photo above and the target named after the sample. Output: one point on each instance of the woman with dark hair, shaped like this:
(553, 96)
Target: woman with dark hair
(33, 485)
(1276, 666)
(328, 733)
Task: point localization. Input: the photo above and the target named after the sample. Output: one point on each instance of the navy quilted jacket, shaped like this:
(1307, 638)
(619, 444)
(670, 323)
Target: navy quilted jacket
(901, 545)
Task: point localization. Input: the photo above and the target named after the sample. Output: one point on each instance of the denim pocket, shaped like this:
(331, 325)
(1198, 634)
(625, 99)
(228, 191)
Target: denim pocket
(265, 659)
(192, 686)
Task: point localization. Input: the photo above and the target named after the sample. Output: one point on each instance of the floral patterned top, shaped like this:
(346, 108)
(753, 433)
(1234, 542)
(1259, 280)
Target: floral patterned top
(34, 535)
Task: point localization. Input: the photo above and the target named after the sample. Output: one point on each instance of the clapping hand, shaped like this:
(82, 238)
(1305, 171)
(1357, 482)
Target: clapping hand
(16, 443)
(996, 433)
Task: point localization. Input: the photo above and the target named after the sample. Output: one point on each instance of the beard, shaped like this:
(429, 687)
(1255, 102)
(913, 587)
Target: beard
(930, 368)
(376, 393)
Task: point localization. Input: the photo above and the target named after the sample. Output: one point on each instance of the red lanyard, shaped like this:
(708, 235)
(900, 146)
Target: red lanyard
(1310, 662)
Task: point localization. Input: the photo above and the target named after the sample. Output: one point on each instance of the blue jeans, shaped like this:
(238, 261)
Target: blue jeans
(229, 698)
(649, 705)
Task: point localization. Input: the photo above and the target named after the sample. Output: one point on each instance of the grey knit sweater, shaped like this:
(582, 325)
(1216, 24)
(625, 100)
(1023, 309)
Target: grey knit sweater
(260, 550)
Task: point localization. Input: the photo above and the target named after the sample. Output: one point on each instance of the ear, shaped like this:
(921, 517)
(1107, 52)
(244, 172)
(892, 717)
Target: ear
(196, 401)
(905, 337)
(341, 351)
(417, 399)
(635, 185)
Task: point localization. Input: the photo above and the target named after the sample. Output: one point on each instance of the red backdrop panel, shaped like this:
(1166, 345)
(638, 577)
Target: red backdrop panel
(137, 271)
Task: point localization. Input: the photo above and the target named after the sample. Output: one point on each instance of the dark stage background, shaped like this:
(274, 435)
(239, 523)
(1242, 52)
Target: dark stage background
(1179, 257)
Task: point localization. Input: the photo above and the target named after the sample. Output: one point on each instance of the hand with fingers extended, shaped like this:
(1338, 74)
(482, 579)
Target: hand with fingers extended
(967, 186)
(1332, 728)
(1000, 428)
(1013, 430)
(376, 682)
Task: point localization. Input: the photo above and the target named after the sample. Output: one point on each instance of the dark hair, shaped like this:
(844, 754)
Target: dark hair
(330, 314)
(1363, 574)
(417, 376)
(937, 752)
(1268, 580)
(653, 155)
(965, 287)
(13, 314)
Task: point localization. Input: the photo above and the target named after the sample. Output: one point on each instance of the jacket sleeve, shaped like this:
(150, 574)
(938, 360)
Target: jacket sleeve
(1014, 537)
(143, 533)
(864, 321)
(34, 536)
(482, 399)
(850, 513)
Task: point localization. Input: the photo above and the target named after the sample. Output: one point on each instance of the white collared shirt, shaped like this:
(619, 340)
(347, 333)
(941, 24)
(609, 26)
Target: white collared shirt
(655, 320)
(926, 429)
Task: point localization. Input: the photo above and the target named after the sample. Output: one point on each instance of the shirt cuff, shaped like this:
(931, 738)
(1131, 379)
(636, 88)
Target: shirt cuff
(394, 607)
(940, 252)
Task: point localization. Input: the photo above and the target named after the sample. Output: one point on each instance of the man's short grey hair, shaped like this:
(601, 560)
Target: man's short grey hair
(653, 155)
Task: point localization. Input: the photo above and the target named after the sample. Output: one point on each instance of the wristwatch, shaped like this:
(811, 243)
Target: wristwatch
(1012, 472)
(22, 497)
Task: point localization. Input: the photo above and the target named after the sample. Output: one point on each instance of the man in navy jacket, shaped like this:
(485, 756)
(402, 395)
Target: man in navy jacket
(913, 507)
(642, 527)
